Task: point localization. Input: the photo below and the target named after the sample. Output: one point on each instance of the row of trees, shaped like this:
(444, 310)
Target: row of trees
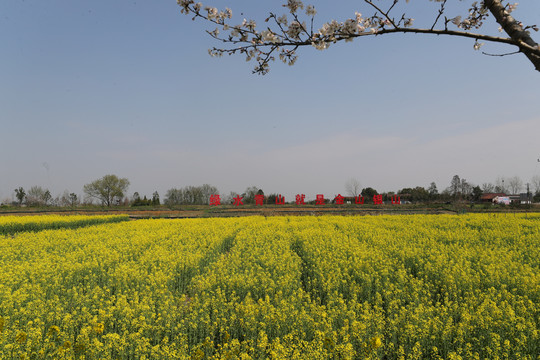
(108, 190)
(111, 190)
(38, 196)
(193, 195)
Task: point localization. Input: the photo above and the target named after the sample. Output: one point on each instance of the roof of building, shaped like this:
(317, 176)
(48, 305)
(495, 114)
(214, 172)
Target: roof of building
(491, 196)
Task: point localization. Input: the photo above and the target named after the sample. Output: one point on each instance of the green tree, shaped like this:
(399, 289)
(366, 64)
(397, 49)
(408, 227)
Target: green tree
(455, 186)
(73, 199)
(477, 193)
(109, 189)
(369, 192)
(155, 198)
(271, 199)
(190, 195)
(37, 196)
(249, 194)
(47, 197)
(173, 197)
(20, 194)
(432, 190)
(417, 194)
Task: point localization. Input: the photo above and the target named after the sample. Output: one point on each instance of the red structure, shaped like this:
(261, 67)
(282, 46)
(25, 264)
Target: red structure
(377, 199)
(215, 200)
(238, 200)
(259, 199)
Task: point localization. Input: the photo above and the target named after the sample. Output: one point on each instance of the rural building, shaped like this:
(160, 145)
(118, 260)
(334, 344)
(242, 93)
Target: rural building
(525, 198)
(488, 197)
(502, 200)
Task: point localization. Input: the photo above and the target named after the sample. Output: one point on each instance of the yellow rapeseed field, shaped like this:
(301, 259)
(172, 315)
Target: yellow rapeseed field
(13, 224)
(329, 287)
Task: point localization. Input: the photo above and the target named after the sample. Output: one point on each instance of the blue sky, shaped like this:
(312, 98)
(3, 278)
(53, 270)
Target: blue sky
(127, 87)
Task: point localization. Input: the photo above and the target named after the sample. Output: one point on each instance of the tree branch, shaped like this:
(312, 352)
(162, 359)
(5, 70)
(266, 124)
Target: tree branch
(514, 29)
(441, 11)
(246, 39)
(386, 14)
(501, 55)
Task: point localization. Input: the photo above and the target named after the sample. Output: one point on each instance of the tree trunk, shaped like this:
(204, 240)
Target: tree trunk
(514, 29)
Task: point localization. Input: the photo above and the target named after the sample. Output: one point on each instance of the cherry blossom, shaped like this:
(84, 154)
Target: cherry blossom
(284, 34)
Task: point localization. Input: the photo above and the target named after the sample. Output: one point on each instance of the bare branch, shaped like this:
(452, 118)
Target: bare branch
(441, 11)
(512, 53)
(386, 14)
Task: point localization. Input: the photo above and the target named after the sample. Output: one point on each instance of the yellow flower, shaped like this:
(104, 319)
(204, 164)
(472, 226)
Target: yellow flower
(21, 337)
(99, 327)
(328, 344)
(376, 342)
(53, 330)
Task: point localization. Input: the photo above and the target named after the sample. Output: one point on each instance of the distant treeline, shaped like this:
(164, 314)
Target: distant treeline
(112, 190)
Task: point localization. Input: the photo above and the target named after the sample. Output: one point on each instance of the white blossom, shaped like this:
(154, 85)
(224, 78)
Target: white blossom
(269, 36)
(185, 5)
(329, 28)
(294, 5)
(477, 45)
(349, 27)
(512, 7)
(294, 30)
(320, 44)
(457, 21)
(212, 12)
(282, 19)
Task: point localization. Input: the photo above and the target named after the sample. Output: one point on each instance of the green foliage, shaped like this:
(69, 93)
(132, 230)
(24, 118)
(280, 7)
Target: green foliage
(37, 196)
(368, 193)
(20, 194)
(417, 194)
(476, 193)
(155, 199)
(108, 190)
(141, 202)
(190, 195)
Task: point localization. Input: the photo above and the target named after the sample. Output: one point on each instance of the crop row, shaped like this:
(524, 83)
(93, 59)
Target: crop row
(15, 224)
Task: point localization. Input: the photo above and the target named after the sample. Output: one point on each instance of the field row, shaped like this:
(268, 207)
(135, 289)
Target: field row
(329, 287)
(15, 224)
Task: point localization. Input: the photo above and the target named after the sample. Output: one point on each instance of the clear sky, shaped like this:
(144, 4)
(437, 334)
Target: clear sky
(89, 88)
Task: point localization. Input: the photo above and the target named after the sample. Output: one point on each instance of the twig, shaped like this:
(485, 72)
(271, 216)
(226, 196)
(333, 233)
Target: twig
(384, 13)
(512, 53)
(441, 11)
